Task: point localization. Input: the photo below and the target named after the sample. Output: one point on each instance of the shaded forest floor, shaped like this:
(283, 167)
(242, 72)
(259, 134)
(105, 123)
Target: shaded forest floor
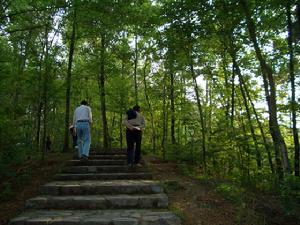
(195, 201)
(26, 183)
(198, 203)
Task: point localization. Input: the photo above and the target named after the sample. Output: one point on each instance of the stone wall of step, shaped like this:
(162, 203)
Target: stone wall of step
(100, 191)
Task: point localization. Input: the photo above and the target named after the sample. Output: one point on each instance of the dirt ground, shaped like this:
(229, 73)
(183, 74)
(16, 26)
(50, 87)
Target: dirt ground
(195, 203)
(40, 173)
(199, 204)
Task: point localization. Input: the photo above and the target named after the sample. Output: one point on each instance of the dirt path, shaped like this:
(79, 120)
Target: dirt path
(196, 202)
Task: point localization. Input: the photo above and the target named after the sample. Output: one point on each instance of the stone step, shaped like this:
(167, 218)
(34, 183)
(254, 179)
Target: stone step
(99, 202)
(123, 157)
(108, 152)
(104, 176)
(96, 217)
(96, 162)
(101, 169)
(93, 187)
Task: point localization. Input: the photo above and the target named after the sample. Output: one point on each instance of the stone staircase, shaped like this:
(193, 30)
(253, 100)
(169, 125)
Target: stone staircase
(100, 191)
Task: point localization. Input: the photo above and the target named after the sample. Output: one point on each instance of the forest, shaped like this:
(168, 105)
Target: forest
(216, 80)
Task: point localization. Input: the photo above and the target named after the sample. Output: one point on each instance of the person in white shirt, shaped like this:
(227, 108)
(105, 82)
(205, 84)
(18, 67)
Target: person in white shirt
(135, 123)
(82, 121)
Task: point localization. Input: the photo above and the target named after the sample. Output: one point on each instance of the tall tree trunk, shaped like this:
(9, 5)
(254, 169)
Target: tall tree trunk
(232, 97)
(172, 102)
(266, 145)
(227, 84)
(153, 136)
(20, 66)
(245, 136)
(136, 92)
(68, 84)
(38, 125)
(165, 120)
(292, 80)
(45, 94)
(101, 82)
(298, 17)
(270, 90)
(39, 102)
(208, 116)
(257, 151)
(122, 104)
(232, 50)
(201, 114)
(121, 130)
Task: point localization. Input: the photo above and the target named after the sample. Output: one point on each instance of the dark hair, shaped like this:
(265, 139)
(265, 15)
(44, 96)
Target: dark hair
(131, 114)
(83, 102)
(136, 108)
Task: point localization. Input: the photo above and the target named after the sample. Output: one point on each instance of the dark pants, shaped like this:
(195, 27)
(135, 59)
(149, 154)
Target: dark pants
(133, 137)
(74, 141)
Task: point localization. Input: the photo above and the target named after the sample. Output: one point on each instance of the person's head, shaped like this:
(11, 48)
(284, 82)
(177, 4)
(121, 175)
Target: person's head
(84, 102)
(137, 108)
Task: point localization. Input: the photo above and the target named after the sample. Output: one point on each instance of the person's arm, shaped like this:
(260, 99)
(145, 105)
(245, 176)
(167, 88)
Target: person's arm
(90, 115)
(141, 121)
(74, 119)
(127, 124)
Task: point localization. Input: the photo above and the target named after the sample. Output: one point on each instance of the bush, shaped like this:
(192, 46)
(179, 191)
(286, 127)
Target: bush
(290, 194)
(231, 192)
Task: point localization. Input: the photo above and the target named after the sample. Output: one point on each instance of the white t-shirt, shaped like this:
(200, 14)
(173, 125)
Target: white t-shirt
(82, 112)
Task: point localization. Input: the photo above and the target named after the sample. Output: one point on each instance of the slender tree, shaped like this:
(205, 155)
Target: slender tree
(270, 89)
(69, 79)
(293, 89)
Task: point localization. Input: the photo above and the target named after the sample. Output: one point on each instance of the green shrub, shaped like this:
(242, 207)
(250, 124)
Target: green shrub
(231, 192)
(290, 194)
(6, 193)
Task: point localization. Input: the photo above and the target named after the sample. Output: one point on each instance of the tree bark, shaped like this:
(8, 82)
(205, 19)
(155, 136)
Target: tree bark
(149, 106)
(293, 89)
(232, 49)
(172, 102)
(68, 84)
(39, 102)
(201, 114)
(270, 90)
(298, 17)
(257, 151)
(232, 97)
(45, 94)
(165, 119)
(101, 82)
(266, 145)
(136, 92)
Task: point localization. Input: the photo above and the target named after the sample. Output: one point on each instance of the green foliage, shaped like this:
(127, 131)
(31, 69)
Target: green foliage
(231, 192)
(290, 194)
(187, 169)
(185, 39)
(6, 192)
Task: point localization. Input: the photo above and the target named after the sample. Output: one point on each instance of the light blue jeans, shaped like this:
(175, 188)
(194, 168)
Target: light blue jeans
(83, 138)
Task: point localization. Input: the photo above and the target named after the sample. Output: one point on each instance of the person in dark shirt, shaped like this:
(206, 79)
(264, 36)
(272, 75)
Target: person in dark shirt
(135, 123)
